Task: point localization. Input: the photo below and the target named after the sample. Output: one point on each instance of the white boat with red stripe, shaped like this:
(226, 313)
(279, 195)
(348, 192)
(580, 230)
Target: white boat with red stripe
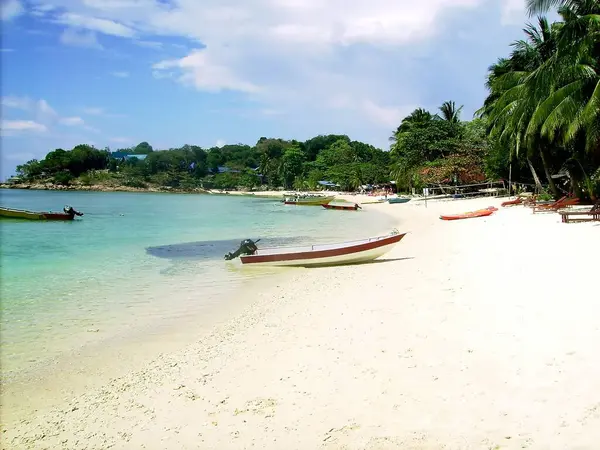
(353, 252)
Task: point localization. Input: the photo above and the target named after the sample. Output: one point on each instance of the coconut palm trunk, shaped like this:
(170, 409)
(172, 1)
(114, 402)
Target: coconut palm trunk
(547, 170)
(536, 179)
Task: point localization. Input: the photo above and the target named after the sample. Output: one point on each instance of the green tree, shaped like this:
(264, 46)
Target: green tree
(143, 148)
(31, 170)
(450, 113)
(545, 97)
(291, 165)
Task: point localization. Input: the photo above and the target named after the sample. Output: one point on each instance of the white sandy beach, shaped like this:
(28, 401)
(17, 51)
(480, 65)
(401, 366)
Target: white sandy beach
(474, 334)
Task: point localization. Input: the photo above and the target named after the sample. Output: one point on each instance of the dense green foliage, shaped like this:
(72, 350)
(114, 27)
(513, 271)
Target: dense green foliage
(542, 115)
(271, 162)
(439, 149)
(544, 100)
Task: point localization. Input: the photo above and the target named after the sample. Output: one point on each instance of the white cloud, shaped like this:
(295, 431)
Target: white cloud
(10, 9)
(22, 126)
(100, 25)
(220, 142)
(6, 50)
(120, 74)
(388, 117)
(149, 44)
(22, 103)
(204, 74)
(42, 9)
(71, 121)
(513, 12)
(300, 54)
(41, 113)
(271, 112)
(44, 112)
(79, 38)
(94, 111)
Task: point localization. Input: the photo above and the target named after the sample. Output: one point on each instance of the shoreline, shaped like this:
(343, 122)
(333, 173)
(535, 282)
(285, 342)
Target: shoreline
(152, 189)
(35, 387)
(460, 337)
(167, 190)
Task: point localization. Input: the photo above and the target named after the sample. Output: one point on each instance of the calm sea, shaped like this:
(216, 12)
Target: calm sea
(136, 261)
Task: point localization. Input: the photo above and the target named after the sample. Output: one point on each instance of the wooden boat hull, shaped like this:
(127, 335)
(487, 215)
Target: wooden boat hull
(392, 201)
(309, 201)
(325, 255)
(340, 207)
(32, 215)
(472, 214)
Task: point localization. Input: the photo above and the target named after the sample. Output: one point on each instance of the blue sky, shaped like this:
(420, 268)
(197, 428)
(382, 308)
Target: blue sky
(170, 72)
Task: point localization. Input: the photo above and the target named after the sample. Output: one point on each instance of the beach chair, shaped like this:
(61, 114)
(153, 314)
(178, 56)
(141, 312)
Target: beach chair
(555, 206)
(516, 201)
(589, 215)
(529, 202)
(546, 202)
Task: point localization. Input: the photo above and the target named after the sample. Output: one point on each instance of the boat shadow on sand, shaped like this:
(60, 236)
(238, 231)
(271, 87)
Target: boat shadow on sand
(235, 267)
(366, 263)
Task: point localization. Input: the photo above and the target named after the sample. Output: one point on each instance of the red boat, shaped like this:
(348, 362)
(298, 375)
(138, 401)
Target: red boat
(342, 207)
(468, 215)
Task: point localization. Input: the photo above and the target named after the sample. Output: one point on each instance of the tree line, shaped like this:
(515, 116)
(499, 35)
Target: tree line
(270, 162)
(540, 124)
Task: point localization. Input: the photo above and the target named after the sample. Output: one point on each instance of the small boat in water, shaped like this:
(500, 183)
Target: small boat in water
(394, 200)
(68, 214)
(468, 215)
(316, 255)
(346, 207)
(312, 200)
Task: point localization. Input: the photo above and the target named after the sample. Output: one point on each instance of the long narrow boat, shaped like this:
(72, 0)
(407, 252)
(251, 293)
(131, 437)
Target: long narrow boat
(315, 200)
(342, 207)
(394, 200)
(68, 214)
(317, 255)
(471, 214)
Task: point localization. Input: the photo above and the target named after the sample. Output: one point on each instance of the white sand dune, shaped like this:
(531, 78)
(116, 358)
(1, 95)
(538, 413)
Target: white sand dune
(474, 334)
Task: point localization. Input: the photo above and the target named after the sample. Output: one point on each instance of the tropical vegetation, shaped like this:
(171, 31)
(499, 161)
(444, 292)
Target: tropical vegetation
(543, 106)
(540, 124)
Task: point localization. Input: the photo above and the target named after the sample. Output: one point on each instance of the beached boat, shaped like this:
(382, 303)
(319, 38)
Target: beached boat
(309, 200)
(68, 214)
(317, 255)
(347, 207)
(393, 200)
(468, 215)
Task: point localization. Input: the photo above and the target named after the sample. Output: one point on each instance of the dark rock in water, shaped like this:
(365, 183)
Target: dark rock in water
(207, 250)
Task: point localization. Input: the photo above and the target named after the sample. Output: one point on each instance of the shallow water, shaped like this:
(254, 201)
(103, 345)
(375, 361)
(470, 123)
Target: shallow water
(135, 261)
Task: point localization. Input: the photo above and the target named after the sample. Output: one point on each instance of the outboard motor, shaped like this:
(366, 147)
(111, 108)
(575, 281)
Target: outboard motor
(72, 212)
(247, 247)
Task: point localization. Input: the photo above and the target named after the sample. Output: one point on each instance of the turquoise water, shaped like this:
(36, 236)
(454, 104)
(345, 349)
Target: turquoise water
(134, 261)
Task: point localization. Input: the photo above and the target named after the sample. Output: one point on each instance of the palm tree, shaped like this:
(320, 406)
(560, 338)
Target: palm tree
(546, 96)
(450, 113)
(418, 118)
(512, 102)
(572, 107)
(264, 167)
